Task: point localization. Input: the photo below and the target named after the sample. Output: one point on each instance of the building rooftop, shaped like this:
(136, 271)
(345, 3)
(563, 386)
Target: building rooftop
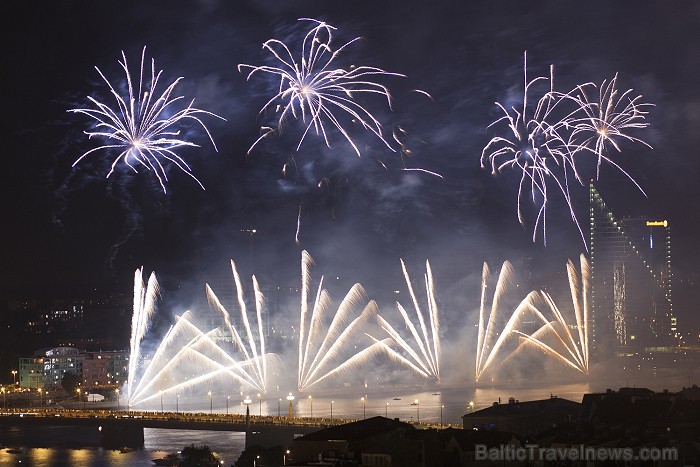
(467, 439)
(357, 430)
(515, 408)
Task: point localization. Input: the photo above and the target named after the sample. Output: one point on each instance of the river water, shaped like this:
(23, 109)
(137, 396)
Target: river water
(76, 447)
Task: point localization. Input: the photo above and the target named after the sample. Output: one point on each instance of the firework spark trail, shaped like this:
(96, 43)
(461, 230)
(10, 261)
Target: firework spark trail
(143, 309)
(481, 333)
(434, 314)
(321, 304)
(200, 359)
(486, 334)
(145, 130)
(251, 347)
(210, 365)
(397, 357)
(306, 263)
(525, 305)
(321, 346)
(336, 341)
(312, 88)
(246, 322)
(529, 339)
(259, 302)
(546, 142)
(174, 332)
(432, 358)
(586, 288)
(604, 121)
(296, 235)
(565, 337)
(427, 356)
(235, 336)
(424, 370)
(435, 174)
(579, 287)
(156, 369)
(357, 360)
(196, 344)
(526, 340)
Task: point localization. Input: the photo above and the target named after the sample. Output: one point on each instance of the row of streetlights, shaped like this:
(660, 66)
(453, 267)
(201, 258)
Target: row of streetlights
(247, 401)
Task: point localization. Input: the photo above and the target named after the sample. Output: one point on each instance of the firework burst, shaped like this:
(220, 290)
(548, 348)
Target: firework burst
(144, 128)
(313, 89)
(544, 140)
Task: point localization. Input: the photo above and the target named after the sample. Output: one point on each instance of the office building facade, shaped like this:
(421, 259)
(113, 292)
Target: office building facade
(631, 277)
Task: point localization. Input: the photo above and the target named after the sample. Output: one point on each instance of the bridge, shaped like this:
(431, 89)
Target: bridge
(119, 428)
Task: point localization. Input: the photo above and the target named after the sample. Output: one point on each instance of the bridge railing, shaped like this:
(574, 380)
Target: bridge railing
(203, 417)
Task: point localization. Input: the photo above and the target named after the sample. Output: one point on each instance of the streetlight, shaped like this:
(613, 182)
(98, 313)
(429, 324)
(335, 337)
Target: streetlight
(417, 410)
(79, 391)
(290, 398)
(14, 376)
(441, 407)
(386, 410)
(311, 400)
(259, 404)
(279, 405)
(117, 391)
(364, 408)
(177, 404)
(332, 410)
(255, 461)
(211, 404)
(161, 401)
(227, 399)
(41, 398)
(247, 402)
(285, 457)
(471, 406)
(4, 398)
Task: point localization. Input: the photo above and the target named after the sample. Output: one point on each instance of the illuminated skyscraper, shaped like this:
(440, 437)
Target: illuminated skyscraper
(631, 302)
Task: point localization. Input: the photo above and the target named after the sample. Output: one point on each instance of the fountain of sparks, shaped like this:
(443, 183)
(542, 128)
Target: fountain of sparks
(144, 306)
(554, 336)
(188, 358)
(546, 142)
(425, 360)
(329, 349)
(252, 350)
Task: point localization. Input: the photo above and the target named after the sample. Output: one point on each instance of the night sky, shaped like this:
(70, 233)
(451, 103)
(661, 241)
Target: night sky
(72, 229)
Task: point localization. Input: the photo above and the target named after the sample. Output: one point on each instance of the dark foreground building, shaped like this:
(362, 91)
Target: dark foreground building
(523, 418)
(376, 441)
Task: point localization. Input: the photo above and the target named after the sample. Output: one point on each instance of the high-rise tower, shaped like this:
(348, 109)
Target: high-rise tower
(631, 302)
